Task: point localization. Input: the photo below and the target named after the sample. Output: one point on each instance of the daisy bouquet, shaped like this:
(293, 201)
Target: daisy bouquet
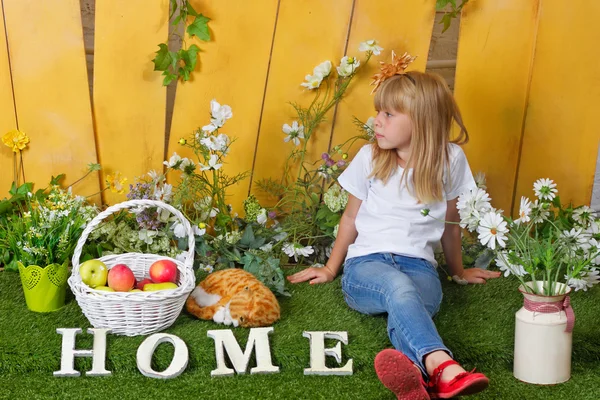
(547, 243)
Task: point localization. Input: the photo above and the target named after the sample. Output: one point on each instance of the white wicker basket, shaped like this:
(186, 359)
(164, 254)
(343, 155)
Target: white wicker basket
(134, 313)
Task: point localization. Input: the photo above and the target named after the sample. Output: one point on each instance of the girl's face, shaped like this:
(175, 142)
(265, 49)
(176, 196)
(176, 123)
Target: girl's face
(393, 130)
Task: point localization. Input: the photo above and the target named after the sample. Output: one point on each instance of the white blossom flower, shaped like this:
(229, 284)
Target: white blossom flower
(539, 212)
(583, 215)
(593, 252)
(216, 143)
(233, 237)
(471, 206)
(508, 268)
(173, 161)
(492, 229)
(209, 128)
(524, 211)
(179, 230)
(295, 250)
(212, 163)
(347, 66)
(155, 176)
(294, 132)
(187, 165)
(320, 72)
(545, 189)
(587, 280)
(207, 268)
(261, 218)
(370, 45)
(323, 69)
(199, 230)
(220, 113)
(267, 247)
(480, 180)
(369, 127)
(163, 193)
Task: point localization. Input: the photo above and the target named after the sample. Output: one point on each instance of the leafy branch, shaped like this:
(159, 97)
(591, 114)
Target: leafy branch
(449, 15)
(181, 63)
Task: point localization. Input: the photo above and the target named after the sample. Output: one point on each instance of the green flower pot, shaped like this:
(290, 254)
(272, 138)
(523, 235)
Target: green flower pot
(44, 288)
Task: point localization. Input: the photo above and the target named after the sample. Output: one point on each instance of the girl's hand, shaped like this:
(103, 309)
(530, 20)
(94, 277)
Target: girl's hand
(478, 275)
(315, 275)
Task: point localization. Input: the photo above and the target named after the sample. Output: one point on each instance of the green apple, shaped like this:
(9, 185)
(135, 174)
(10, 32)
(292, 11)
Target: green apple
(93, 273)
(104, 288)
(152, 287)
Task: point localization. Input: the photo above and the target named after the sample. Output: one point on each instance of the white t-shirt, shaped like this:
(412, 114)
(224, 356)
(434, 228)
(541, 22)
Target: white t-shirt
(389, 219)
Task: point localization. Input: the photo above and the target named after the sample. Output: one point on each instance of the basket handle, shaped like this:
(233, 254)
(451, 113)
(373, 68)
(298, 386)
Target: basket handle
(189, 260)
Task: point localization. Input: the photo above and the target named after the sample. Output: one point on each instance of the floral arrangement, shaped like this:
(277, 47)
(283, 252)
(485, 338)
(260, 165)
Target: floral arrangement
(548, 242)
(45, 227)
(309, 203)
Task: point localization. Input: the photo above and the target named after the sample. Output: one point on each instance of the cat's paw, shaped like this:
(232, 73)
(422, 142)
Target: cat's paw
(227, 320)
(219, 316)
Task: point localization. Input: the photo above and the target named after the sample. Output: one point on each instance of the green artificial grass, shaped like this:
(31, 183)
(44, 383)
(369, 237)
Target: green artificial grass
(476, 322)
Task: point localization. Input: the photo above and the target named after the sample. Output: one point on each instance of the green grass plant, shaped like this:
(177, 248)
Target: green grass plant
(476, 322)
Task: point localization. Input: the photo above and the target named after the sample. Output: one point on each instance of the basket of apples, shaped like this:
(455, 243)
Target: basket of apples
(132, 293)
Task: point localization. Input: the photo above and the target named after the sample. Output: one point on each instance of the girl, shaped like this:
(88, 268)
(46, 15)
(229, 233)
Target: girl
(388, 244)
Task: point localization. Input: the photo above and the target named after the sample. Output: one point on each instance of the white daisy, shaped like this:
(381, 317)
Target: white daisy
(312, 81)
(370, 45)
(294, 132)
(212, 163)
(347, 66)
(583, 215)
(295, 250)
(545, 189)
(508, 268)
(173, 161)
(261, 218)
(524, 211)
(587, 280)
(593, 252)
(207, 268)
(199, 230)
(492, 229)
(539, 212)
(471, 206)
(178, 230)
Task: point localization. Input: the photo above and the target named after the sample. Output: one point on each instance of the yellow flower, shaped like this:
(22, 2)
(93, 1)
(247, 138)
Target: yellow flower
(15, 139)
(116, 182)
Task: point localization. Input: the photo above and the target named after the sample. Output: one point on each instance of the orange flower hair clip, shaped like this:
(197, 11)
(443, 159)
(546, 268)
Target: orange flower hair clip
(396, 67)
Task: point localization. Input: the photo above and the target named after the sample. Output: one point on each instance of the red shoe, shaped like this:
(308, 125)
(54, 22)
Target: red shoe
(463, 384)
(400, 375)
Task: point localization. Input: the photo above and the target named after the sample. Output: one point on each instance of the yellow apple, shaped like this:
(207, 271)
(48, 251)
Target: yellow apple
(152, 287)
(93, 273)
(104, 288)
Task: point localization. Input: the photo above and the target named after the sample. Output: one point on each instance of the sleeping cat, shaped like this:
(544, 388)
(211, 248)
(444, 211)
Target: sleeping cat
(234, 296)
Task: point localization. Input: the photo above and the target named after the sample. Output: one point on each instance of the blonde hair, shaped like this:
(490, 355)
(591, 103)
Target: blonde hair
(428, 102)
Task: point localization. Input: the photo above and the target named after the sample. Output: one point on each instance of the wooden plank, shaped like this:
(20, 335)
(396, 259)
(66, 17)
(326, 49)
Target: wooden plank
(8, 119)
(233, 70)
(561, 129)
(492, 80)
(397, 25)
(298, 47)
(47, 57)
(129, 99)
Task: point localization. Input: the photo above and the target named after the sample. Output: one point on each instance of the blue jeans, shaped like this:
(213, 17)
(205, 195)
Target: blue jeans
(407, 289)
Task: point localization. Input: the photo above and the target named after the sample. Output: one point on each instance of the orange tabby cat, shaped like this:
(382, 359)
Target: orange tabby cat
(234, 296)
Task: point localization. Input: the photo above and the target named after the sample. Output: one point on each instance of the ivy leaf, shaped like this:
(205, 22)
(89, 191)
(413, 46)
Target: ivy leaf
(192, 56)
(199, 28)
(440, 4)
(447, 21)
(163, 58)
(191, 11)
(173, 6)
(55, 179)
(169, 77)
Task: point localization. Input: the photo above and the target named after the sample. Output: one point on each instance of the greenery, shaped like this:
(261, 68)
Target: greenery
(454, 12)
(478, 332)
(549, 242)
(309, 202)
(181, 63)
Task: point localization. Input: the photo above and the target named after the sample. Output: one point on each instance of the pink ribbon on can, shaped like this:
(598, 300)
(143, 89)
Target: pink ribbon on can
(552, 307)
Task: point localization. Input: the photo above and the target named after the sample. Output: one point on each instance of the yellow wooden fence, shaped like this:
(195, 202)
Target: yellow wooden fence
(526, 81)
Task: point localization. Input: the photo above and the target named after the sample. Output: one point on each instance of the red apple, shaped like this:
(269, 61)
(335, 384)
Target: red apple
(140, 285)
(163, 271)
(120, 278)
